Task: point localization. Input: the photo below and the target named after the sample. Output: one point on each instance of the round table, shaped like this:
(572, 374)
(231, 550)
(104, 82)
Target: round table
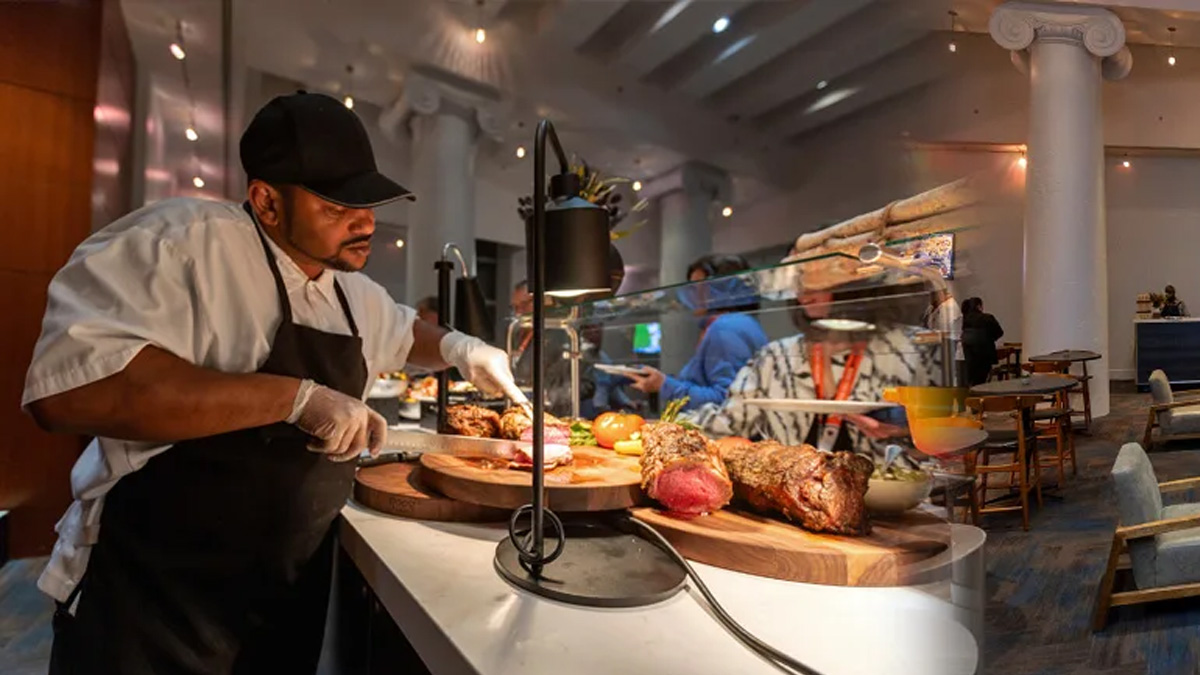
(1022, 386)
(1081, 356)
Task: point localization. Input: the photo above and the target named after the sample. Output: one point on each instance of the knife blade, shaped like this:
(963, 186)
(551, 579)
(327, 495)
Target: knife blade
(446, 444)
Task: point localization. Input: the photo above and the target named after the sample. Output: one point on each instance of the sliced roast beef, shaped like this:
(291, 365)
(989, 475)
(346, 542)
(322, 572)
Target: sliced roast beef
(682, 470)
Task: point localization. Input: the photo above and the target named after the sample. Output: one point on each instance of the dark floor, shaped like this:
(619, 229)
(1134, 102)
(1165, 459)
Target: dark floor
(1042, 583)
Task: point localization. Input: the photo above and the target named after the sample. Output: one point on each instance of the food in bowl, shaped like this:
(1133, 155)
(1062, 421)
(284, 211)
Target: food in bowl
(896, 490)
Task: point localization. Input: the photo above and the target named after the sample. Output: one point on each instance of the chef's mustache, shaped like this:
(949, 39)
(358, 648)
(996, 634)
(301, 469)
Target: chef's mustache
(364, 239)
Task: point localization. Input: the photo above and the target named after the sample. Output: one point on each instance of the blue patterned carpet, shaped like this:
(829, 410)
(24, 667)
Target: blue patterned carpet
(1042, 583)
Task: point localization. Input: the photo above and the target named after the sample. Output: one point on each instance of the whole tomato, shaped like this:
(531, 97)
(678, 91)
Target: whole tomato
(611, 427)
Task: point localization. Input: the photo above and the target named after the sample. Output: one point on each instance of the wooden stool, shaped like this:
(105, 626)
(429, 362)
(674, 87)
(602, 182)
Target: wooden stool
(1015, 438)
(1053, 420)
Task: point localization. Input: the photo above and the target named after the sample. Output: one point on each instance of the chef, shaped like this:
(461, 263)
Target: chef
(219, 354)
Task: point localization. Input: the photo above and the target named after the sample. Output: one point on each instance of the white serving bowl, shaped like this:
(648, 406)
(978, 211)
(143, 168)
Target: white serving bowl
(896, 496)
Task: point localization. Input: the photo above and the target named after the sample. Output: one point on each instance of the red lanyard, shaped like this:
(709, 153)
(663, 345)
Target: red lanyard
(821, 366)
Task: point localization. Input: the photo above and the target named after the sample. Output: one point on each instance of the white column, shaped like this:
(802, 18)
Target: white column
(1066, 50)
(445, 124)
(690, 197)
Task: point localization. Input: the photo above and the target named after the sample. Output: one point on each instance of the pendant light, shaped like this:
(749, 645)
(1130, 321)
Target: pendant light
(348, 101)
(1170, 45)
(953, 46)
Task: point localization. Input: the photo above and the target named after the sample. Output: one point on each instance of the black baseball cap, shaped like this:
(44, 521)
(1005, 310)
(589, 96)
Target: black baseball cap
(314, 141)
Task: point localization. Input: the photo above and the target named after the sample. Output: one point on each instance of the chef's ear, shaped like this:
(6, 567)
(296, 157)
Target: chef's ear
(267, 202)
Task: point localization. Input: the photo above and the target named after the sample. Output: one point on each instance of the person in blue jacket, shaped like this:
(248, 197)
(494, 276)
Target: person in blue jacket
(730, 337)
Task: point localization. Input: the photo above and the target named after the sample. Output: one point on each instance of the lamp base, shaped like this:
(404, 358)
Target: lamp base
(601, 565)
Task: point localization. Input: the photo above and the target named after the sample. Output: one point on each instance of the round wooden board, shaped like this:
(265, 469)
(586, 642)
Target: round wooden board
(397, 489)
(597, 480)
(763, 546)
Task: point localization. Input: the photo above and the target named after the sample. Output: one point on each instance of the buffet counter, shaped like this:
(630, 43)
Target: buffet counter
(1172, 345)
(437, 584)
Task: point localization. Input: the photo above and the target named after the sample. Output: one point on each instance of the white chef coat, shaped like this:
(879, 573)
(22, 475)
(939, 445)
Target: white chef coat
(188, 276)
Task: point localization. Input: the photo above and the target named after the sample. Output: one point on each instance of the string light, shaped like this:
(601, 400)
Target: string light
(953, 46)
(520, 152)
(637, 185)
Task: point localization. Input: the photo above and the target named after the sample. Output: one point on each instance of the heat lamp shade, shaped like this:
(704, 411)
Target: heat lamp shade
(576, 248)
(470, 309)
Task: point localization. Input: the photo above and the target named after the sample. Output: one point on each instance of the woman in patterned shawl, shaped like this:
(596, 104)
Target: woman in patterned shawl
(783, 369)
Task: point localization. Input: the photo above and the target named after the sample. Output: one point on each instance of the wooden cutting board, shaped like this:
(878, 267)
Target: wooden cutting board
(763, 546)
(397, 489)
(597, 480)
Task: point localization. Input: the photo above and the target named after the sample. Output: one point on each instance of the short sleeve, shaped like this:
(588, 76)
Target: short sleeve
(114, 296)
(389, 331)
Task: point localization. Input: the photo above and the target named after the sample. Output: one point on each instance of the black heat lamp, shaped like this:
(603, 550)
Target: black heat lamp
(600, 560)
(469, 312)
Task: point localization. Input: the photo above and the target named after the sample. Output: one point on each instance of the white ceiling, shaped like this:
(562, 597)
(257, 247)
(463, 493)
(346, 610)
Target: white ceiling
(634, 86)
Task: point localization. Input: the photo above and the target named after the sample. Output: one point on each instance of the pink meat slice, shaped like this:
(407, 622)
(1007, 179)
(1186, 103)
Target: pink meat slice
(683, 471)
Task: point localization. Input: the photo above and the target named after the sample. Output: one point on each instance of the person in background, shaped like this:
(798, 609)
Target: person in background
(783, 369)
(729, 338)
(980, 331)
(427, 309)
(1172, 305)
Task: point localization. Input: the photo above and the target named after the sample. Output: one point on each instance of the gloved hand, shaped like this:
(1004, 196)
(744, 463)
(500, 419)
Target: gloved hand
(484, 365)
(343, 425)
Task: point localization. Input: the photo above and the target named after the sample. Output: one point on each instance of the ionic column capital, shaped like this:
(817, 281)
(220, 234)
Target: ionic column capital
(1017, 25)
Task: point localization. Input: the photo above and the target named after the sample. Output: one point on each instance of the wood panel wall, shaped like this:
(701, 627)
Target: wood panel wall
(50, 61)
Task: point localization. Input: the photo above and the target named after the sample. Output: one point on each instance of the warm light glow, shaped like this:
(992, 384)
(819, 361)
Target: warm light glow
(637, 185)
(1022, 162)
(575, 292)
(953, 46)
(177, 51)
(348, 102)
(1171, 60)
(399, 243)
(721, 24)
(191, 134)
(198, 182)
(520, 152)
(727, 211)
(822, 84)
(480, 35)
(1126, 164)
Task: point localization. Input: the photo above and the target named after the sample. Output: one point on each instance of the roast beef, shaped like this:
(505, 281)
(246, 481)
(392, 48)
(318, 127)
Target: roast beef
(682, 470)
(822, 492)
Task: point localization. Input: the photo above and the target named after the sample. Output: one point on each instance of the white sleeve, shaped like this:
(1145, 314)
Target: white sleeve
(114, 296)
(390, 331)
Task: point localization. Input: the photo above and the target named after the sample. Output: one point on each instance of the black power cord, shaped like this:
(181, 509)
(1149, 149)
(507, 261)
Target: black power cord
(781, 660)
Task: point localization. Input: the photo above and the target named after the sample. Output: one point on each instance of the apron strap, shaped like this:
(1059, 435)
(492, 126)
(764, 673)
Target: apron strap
(345, 308)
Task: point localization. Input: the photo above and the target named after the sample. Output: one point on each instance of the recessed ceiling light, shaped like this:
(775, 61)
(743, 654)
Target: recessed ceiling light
(832, 98)
(399, 243)
(177, 51)
(637, 185)
(191, 134)
(520, 152)
(822, 84)
(480, 35)
(721, 24)
(198, 182)
(727, 211)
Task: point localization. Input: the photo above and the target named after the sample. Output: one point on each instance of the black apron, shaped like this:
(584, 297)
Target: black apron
(216, 556)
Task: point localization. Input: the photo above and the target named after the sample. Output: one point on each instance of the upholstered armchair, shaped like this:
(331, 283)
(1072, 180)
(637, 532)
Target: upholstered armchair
(1163, 542)
(1175, 418)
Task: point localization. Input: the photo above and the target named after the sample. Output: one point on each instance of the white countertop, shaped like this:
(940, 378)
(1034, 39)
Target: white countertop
(1186, 319)
(437, 582)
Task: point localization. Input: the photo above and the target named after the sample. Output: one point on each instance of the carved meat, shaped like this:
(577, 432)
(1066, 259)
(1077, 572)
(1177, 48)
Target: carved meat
(822, 492)
(472, 420)
(515, 423)
(682, 470)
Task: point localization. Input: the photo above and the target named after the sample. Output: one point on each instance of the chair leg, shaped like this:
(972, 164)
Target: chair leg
(1071, 446)
(1104, 592)
(1023, 478)
(1060, 441)
(1087, 404)
(1147, 437)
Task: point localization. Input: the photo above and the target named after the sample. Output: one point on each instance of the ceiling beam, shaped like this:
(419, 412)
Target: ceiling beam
(862, 38)
(761, 44)
(576, 21)
(679, 27)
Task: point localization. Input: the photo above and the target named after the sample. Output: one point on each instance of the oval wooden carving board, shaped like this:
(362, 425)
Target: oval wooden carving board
(598, 480)
(760, 545)
(397, 489)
